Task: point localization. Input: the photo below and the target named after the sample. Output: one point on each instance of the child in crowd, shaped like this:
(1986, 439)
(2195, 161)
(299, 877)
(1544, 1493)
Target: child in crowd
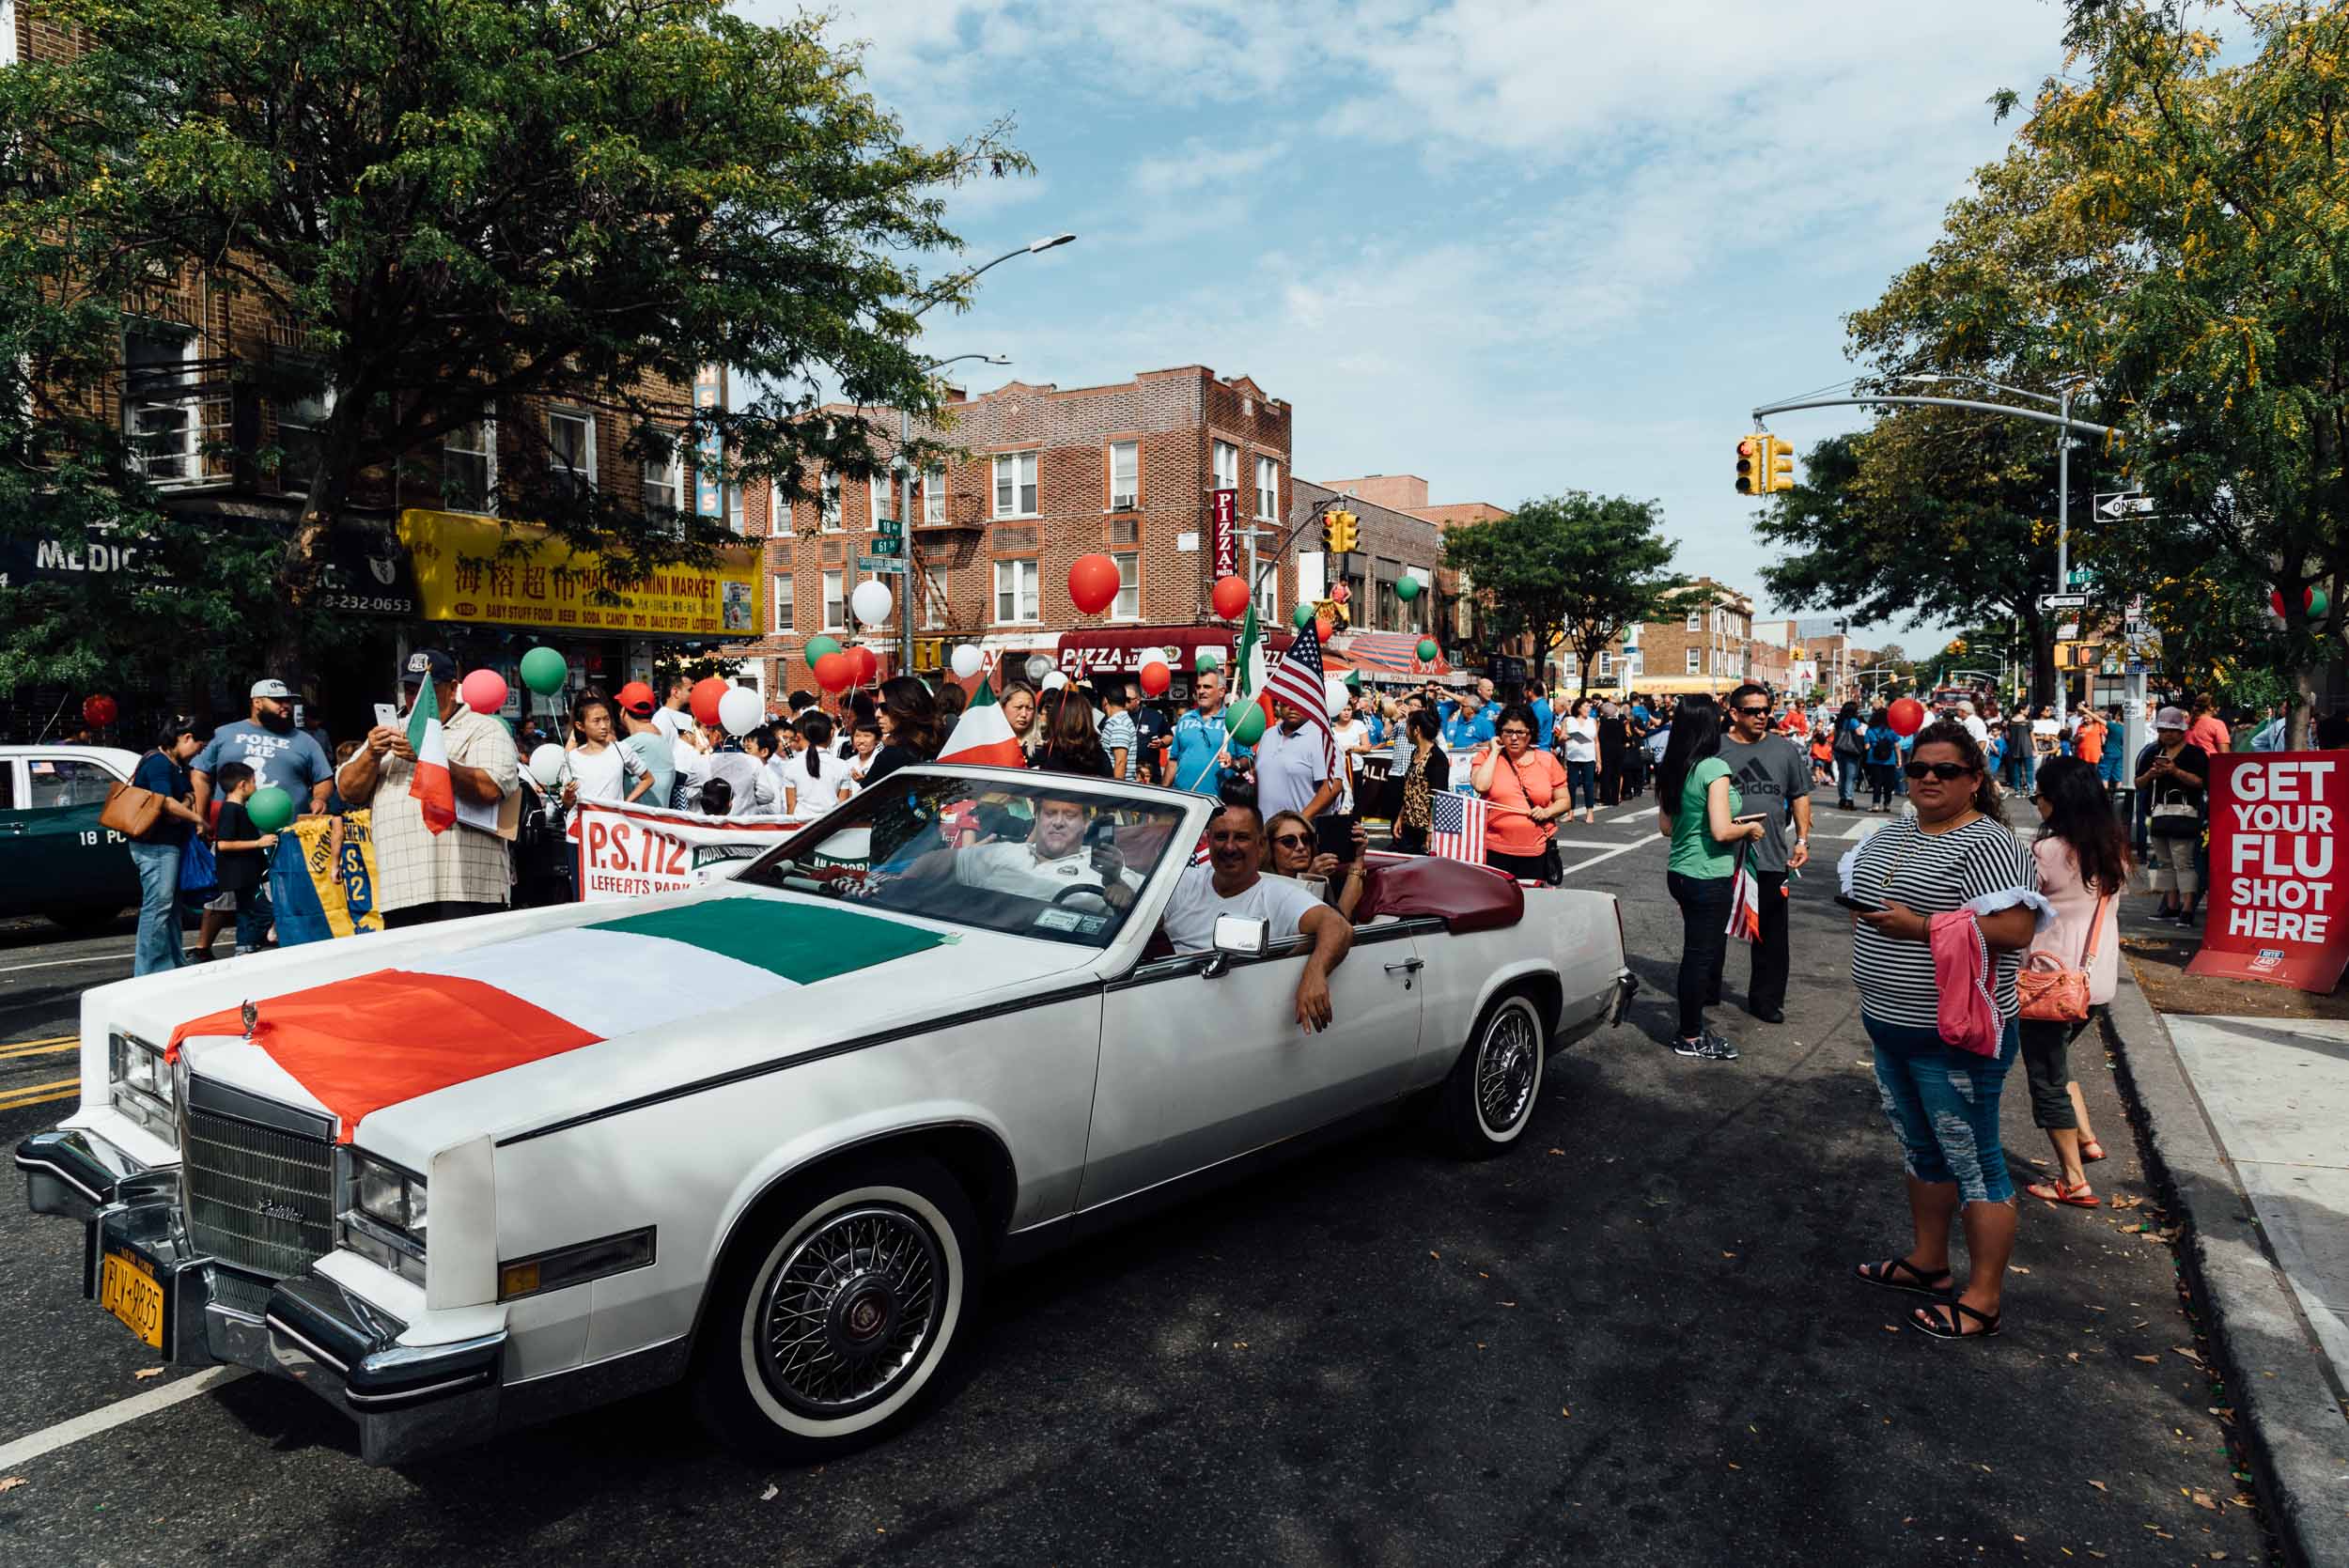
(242, 852)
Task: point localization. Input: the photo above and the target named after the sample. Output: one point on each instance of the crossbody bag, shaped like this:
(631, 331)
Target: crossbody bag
(2051, 993)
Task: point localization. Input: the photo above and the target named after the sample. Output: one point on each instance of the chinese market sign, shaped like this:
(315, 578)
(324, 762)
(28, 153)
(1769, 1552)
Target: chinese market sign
(2278, 881)
(462, 574)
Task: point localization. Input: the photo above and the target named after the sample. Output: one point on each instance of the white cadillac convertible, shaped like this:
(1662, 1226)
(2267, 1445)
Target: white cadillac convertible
(770, 1135)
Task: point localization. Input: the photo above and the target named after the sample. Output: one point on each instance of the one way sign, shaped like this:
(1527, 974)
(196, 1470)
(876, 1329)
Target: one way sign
(2128, 504)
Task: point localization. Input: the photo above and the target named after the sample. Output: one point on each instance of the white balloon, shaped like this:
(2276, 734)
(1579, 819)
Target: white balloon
(1333, 694)
(871, 602)
(740, 711)
(967, 662)
(1038, 667)
(1054, 681)
(547, 764)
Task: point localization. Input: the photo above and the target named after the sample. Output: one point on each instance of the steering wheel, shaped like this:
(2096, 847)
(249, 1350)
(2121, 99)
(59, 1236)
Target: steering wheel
(1064, 894)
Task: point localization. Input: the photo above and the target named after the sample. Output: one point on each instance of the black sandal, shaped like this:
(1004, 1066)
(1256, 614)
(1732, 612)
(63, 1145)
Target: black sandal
(1883, 1276)
(1949, 1327)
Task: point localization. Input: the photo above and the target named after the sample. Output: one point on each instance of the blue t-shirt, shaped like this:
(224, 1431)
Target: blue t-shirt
(1882, 744)
(294, 762)
(1544, 717)
(159, 773)
(1197, 740)
(1463, 729)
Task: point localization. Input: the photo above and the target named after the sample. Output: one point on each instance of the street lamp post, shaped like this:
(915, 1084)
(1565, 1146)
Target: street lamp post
(905, 433)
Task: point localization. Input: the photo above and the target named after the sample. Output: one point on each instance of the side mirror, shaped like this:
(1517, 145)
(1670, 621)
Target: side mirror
(1242, 937)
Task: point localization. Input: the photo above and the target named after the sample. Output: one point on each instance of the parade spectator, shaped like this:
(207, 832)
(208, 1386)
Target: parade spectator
(1770, 776)
(266, 741)
(602, 768)
(1526, 789)
(2019, 758)
(2208, 731)
(675, 718)
(1614, 736)
(1544, 717)
(1292, 767)
(241, 855)
(656, 754)
(1972, 724)
(1943, 1098)
(1018, 704)
(1468, 724)
(164, 771)
(2174, 783)
(2047, 737)
(1120, 740)
(1884, 760)
(1153, 725)
(716, 799)
(952, 699)
(1578, 744)
(765, 748)
(1424, 772)
(814, 779)
(908, 719)
(1231, 883)
(1201, 751)
(2087, 741)
(424, 876)
(1071, 744)
(2083, 863)
(2271, 736)
(1822, 752)
(1291, 850)
(1850, 747)
(1695, 803)
(864, 743)
(1352, 736)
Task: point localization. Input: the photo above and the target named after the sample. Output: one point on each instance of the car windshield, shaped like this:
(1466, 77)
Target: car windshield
(1015, 856)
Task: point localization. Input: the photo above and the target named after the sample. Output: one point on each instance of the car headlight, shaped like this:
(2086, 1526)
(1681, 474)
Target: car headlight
(141, 1084)
(382, 1214)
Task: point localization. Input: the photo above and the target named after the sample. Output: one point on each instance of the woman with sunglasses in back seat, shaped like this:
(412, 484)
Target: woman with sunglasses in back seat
(1955, 853)
(1290, 851)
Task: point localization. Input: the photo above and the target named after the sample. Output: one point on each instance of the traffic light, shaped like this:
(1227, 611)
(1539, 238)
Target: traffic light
(1339, 531)
(1750, 468)
(1777, 465)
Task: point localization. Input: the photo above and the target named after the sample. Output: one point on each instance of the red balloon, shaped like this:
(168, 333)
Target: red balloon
(705, 699)
(1323, 626)
(1906, 717)
(834, 672)
(1230, 598)
(1156, 677)
(1092, 583)
(862, 665)
(99, 711)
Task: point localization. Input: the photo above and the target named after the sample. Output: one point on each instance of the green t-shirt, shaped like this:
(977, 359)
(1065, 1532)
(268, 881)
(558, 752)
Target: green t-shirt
(1695, 851)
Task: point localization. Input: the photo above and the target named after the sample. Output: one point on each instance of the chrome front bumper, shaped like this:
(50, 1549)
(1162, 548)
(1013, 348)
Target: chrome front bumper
(407, 1401)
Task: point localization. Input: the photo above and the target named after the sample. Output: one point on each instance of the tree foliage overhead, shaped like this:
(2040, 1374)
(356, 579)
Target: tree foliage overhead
(446, 207)
(1581, 565)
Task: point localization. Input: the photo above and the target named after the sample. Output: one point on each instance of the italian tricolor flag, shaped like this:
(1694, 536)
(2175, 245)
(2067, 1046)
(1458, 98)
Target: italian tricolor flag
(1249, 676)
(983, 736)
(429, 783)
(389, 1035)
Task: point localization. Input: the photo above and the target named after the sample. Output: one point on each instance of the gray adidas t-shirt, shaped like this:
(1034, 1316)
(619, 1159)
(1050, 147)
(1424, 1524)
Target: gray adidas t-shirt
(1770, 776)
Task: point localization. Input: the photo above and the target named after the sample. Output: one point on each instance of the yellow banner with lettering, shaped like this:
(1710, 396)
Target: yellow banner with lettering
(463, 573)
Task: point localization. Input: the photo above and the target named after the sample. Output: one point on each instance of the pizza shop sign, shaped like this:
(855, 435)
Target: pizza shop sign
(2280, 888)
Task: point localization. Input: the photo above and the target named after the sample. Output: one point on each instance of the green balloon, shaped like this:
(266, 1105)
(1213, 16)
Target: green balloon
(544, 670)
(819, 647)
(1207, 659)
(2318, 604)
(1302, 616)
(1427, 650)
(1406, 588)
(1249, 726)
(269, 807)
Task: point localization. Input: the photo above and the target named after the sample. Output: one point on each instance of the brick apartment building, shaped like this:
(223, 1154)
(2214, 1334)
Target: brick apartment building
(1127, 470)
(1710, 649)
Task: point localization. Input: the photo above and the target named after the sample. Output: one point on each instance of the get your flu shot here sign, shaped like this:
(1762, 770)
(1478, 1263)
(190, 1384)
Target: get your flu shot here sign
(2279, 884)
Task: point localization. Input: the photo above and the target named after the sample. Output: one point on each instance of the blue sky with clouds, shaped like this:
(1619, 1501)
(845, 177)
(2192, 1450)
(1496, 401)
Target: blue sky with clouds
(1514, 247)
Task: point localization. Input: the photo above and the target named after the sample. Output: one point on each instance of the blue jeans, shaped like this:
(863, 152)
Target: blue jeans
(1581, 790)
(1943, 1103)
(252, 917)
(159, 946)
(1848, 771)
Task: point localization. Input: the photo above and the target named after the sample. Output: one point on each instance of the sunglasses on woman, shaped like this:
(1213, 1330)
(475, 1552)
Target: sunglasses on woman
(1945, 771)
(1292, 841)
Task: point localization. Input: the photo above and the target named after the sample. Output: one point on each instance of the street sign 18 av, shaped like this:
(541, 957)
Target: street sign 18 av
(879, 563)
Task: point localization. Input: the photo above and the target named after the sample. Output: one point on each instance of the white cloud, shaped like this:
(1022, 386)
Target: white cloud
(1199, 165)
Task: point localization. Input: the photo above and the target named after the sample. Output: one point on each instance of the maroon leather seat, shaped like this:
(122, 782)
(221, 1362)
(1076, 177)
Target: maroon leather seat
(1467, 897)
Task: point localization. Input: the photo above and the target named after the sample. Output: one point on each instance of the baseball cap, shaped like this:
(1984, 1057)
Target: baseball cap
(269, 688)
(432, 661)
(1964, 704)
(636, 699)
(2170, 718)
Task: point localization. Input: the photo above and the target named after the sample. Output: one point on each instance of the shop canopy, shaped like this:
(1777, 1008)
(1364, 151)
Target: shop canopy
(1125, 649)
(1390, 653)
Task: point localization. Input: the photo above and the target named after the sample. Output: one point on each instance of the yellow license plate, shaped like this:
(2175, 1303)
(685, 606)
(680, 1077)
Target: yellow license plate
(128, 1288)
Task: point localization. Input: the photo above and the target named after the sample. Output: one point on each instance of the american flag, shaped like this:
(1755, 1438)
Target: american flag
(1456, 827)
(1299, 678)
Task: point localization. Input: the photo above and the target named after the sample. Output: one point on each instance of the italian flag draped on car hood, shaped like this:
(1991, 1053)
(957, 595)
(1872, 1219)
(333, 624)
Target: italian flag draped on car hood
(377, 1039)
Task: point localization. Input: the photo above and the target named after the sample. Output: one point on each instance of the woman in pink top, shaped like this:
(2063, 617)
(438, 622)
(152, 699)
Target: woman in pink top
(2083, 865)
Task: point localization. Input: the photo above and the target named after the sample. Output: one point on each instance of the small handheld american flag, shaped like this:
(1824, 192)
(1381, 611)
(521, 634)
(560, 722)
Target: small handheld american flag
(1456, 827)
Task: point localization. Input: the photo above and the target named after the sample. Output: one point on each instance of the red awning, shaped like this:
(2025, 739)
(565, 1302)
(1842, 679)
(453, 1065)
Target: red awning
(1390, 653)
(1125, 649)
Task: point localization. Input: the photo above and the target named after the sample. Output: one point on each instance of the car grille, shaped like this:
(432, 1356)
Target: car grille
(258, 1198)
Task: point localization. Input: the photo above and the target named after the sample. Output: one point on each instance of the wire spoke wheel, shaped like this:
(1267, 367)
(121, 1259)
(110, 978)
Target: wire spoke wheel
(1505, 1069)
(850, 1310)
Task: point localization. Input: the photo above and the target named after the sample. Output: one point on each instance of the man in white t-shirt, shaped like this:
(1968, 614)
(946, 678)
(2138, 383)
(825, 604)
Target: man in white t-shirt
(1233, 883)
(1972, 723)
(1052, 859)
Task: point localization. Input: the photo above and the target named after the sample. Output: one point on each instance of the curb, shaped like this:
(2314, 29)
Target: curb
(2298, 1439)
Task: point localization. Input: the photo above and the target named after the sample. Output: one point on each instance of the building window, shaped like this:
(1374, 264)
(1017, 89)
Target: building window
(934, 493)
(1606, 666)
(572, 449)
(1569, 667)
(1634, 664)
(1696, 620)
(835, 603)
(664, 483)
(158, 412)
(933, 598)
(1124, 474)
(827, 503)
(1267, 489)
(784, 620)
(1006, 542)
(1696, 661)
(881, 495)
(1016, 591)
(469, 466)
(299, 422)
(1015, 485)
(1269, 598)
(1226, 466)
(733, 504)
(1125, 531)
(1128, 605)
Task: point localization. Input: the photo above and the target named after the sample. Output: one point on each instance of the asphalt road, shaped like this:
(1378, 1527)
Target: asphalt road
(1631, 1341)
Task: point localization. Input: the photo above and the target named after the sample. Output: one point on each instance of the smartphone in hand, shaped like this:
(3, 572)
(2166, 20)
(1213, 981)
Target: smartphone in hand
(387, 715)
(1854, 904)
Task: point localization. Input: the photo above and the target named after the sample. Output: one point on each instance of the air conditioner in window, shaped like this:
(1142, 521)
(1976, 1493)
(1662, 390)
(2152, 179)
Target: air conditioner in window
(1124, 500)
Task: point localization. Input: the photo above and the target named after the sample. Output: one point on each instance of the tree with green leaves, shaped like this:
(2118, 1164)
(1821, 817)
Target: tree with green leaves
(444, 209)
(1582, 566)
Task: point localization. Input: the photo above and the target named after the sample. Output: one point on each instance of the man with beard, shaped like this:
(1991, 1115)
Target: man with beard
(268, 743)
